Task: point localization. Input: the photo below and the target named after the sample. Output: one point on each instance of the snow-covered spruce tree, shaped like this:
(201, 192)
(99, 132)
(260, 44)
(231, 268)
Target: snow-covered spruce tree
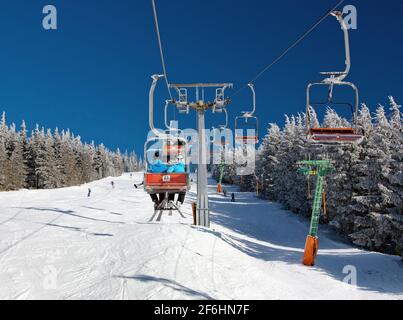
(78, 155)
(3, 164)
(12, 166)
(282, 174)
(343, 196)
(47, 175)
(88, 155)
(3, 153)
(339, 185)
(16, 171)
(289, 187)
(129, 162)
(396, 175)
(395, 178)
(378, 224)
(265, 159)
(268, 161)
(370, 201)
(100, 162)
(118, 165)
(68, 160)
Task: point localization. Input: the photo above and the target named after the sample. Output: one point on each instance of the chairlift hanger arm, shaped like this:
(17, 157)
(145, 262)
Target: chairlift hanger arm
(159, 134)
(224, 126)
(155, 78)
(167, 102)
(340, 76)
(250, 85)
(250, 114)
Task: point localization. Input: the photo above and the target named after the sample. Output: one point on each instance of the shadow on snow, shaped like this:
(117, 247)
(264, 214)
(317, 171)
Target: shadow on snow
(267, 232)
(170, 284)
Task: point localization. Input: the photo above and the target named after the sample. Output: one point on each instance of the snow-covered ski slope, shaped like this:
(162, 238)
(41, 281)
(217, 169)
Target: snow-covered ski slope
(60, 244)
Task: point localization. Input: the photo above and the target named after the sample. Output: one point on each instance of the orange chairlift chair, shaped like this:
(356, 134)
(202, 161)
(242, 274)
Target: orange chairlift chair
(335, 135)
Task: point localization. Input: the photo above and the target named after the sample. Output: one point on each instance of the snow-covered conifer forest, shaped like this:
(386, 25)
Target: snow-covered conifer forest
(364, 194)
(47, 159)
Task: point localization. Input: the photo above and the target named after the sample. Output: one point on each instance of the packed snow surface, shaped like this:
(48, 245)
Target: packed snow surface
(61, 244)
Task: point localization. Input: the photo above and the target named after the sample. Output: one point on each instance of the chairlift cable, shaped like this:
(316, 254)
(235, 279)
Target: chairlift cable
(285, 52)
(160, 47)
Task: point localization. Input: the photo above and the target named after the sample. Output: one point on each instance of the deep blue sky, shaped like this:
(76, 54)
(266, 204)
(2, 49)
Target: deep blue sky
(92, 74)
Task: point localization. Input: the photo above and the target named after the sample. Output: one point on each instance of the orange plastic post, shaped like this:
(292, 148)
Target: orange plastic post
(194, 206)
(219, 188)
(311, 250)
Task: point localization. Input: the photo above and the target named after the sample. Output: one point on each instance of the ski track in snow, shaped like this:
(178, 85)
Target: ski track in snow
(60, 244)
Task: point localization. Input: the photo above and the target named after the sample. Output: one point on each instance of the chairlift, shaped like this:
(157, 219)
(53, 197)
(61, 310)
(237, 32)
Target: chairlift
(335, 135)
(182, 104)
(224, 140)
(250, 121)
(165, 182)
(219, 102)
(169, 147)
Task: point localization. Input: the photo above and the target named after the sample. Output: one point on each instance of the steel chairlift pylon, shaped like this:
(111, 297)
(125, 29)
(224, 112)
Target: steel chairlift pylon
(201, 106)
(332, 79)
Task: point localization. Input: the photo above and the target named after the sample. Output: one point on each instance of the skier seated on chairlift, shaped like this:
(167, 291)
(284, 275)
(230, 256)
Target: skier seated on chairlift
(178, 167)
(157, 166)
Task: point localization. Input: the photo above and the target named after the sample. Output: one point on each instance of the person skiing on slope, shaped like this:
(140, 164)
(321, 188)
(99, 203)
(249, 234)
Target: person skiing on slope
(138, 185)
